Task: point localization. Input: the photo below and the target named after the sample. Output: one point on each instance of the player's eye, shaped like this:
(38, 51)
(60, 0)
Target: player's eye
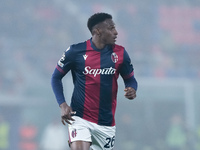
(112, 28)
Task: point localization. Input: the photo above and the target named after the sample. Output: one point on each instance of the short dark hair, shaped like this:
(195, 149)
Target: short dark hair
(97, 18)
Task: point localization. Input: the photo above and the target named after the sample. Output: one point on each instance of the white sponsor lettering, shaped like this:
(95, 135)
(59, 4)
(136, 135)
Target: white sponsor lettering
(60, 64)
(104, 71)
(67, 49)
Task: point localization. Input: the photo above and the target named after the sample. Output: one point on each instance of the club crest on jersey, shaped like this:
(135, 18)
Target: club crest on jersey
(114, 57)
(74, 133)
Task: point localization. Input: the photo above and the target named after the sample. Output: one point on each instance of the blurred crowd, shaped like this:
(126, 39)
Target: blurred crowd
(162, 38)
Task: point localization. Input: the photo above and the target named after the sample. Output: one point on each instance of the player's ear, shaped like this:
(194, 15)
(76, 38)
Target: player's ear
(96, 31)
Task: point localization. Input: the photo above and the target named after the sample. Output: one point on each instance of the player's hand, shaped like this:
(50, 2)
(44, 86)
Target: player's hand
(66, 113)
(130, 93)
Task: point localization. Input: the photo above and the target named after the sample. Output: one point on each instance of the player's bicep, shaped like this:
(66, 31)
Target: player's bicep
(126, 70)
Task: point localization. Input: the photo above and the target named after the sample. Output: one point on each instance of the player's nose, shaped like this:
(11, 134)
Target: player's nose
(115, 32)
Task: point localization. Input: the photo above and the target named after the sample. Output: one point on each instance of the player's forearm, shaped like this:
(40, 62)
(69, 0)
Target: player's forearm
(56, 83)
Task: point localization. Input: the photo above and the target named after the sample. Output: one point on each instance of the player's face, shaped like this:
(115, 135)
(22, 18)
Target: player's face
(108, 32)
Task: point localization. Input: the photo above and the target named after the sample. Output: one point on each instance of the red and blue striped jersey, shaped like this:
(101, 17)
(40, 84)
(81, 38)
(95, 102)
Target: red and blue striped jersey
(95, 73)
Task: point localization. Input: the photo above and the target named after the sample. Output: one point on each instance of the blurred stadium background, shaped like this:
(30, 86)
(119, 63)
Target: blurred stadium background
(163, 40)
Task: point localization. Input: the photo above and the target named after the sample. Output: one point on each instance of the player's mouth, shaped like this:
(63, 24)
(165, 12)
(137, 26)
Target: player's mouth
(115, 39)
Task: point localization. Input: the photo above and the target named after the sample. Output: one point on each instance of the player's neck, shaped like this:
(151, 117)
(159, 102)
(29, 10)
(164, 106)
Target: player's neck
(97, 43)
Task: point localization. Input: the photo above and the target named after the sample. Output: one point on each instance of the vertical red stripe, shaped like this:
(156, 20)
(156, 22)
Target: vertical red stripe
(92, 86)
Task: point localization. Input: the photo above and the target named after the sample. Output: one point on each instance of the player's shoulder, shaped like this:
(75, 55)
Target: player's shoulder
(75, 48)
(118, 47)
(78, 46)
(120, 50)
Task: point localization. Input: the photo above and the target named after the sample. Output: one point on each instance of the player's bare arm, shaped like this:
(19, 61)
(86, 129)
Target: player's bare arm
(66, 113)
(130, 93)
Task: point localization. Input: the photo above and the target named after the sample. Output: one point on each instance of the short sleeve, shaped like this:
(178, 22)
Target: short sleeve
(66, 61)
(126, 70)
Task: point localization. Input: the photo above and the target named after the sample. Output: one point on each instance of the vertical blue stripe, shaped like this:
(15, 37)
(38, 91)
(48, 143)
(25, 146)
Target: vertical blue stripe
(105, 104)
(78, 96)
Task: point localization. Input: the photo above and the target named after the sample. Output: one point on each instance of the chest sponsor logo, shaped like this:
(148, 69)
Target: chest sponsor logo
(95, 72)
(114, 57)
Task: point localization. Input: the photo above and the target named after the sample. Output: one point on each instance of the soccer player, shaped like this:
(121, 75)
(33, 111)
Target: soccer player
(95, 66)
